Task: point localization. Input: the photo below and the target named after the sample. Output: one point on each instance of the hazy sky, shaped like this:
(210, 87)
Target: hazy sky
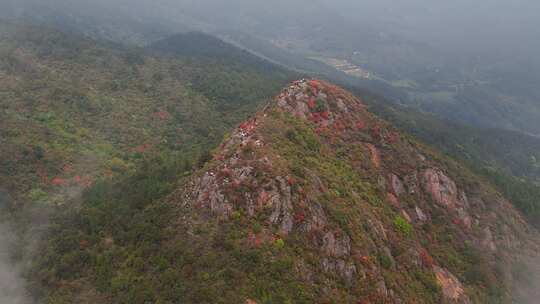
(464, 25)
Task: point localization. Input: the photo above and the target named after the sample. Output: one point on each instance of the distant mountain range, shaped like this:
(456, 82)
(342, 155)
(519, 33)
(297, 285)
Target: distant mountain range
(489, 88)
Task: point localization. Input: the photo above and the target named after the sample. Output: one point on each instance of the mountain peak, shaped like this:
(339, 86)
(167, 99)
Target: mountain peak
(318, 101)
(315, 179)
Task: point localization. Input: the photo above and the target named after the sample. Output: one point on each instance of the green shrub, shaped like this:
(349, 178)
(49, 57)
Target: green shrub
(402, 226)
(385, 261)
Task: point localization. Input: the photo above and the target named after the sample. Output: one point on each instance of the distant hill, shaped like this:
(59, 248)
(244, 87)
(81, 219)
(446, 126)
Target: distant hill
(201, 45)
(76, 109)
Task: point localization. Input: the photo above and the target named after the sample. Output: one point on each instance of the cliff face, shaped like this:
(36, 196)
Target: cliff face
(316, 200)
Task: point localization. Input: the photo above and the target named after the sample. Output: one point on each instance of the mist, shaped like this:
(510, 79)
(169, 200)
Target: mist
(12, 284)
(471, 26)
(454, 33)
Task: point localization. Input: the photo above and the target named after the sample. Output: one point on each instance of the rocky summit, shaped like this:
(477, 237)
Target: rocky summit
(315, 200)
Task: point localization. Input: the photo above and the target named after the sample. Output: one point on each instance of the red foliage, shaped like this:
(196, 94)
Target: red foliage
(392, 199)
(360, 125)
(314, 83)
(299, 217)
(258, 241)
(316, 117)
(244, 125)
(291, 181)
(255, 240)
(87, 181)
(427, 259)
(312, 103)
(248, 126)
(364, 259)
(226, 171)
(320, 130)
(142, 148)
(376, 132)
(339, 125)
(456, 221)
(392, 137)
(263, 198)
(67, 168)
(236, 184)
(333, 90)
(325, 115)
(163, 115)
(57, 181)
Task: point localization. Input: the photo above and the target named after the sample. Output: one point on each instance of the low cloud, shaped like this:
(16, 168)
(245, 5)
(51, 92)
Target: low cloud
(12, 284)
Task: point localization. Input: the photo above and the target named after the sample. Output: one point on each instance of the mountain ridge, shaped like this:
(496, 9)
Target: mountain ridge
(251, 178)
(311, 200)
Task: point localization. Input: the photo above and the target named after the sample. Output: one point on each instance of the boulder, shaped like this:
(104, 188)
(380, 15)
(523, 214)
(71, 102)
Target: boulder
(336, 246)
(396, 184)
(420, 215)
(452, 289)
(443, 190)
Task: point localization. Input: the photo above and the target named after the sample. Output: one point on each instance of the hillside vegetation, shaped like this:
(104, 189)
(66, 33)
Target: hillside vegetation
(73, 111)
(312, 200)
(508, 159)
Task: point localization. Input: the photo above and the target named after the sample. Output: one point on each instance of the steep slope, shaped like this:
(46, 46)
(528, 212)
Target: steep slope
(508, 159)
(313, 200)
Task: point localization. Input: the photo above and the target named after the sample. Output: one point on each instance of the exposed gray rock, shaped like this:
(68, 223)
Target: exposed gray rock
(346, 270)
(411, 183)
(443, 190)
(396, 184)
(377, 229)
(420, 215)
(381, 288)
(452, 289)
(281, 202)
(208, 194)
(336, 246)
(487, 239)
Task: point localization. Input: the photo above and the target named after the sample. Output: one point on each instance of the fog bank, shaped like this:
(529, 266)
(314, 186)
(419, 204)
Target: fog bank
(12, 284)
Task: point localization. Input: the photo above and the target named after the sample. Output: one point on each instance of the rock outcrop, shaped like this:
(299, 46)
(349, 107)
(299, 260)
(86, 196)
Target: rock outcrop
(364, 214)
